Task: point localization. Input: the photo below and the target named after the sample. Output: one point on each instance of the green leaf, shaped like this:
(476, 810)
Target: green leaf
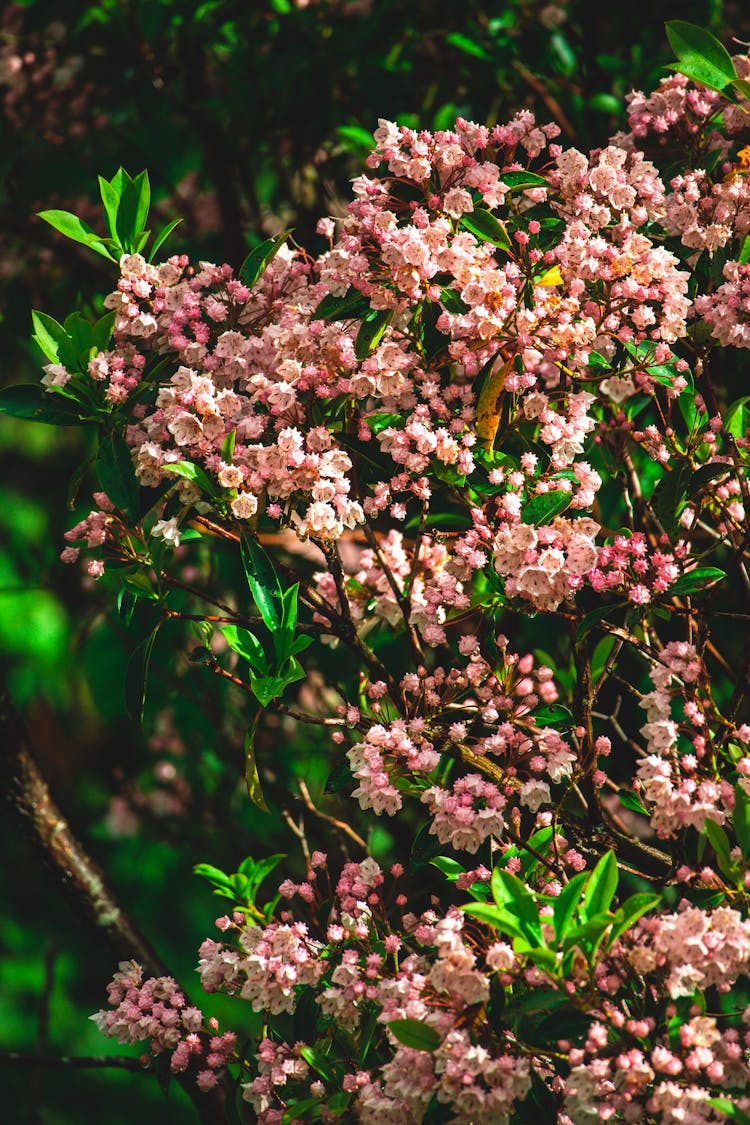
(193, 473)
(371, 332)
(700, 55)
(719, 841)
(566, 903)
(518, 181)
(31, 403)
(116, 474)
(252, 778)
(601, 885)
(102, 330)
(742, 86)
(162, 237)
(451, 868)
(741, 819)
(349, 307)
(136, 676)
(258, 260)
(495, 916)
(696, 580)
(629, 913)
(630, 801)
(744, 257)
(263, 581)
(49, 335)
(468, 46)
(484, 226)
(267, 688)
(319, 1062)
(74, 228)
(514, 897)
(729, 1109)
(415, 1034)
(669, 499)
(227, 447)
(132, 210)
(356, 135)
(214, 876)
(111, 199)
(542, 509)
(243, 642)
(737, 417)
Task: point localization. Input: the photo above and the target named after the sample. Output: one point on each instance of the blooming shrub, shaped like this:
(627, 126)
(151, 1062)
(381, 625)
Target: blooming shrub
(503, 395)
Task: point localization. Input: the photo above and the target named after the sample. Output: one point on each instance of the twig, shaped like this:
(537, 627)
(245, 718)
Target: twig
(69, 1062)
(299, 832)
(340, 824)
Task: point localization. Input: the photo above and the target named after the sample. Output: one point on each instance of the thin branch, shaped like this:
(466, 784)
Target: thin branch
(68, 1062)
(340, 824)
(81, 879)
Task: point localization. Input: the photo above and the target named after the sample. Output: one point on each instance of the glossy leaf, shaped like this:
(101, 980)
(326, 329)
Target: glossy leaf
(263, 581)
(415, 1034)
(252, 778)
(259, 259)
(700, 55)
(31, 403)
(116, 474)
(484, 226)
(601, 885)
(74, 228)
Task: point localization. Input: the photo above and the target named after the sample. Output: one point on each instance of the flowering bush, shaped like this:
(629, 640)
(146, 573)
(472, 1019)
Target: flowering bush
(485, 465)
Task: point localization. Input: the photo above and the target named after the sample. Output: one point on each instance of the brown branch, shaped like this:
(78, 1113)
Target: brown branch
(68, 1062)
(80, 878)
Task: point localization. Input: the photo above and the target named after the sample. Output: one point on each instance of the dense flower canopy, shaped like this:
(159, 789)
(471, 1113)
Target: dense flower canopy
(540, 345)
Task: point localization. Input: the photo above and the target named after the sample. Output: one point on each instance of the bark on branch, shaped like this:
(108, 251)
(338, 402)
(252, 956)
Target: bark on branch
(80, 878)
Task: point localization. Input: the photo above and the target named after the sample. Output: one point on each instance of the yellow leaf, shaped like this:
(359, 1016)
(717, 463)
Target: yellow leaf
(551, 278)
(488, 406)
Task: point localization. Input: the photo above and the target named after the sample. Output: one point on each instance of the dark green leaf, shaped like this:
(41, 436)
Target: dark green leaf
(514, 897)
(542, 509)
(741, 819)
(349, 307)
(49, 335)
(371, 332)
(697, 579)
(260, 258)
(630, 801)
(31, 403)
(136, 676)
(415, 1034)
(319, 1062)
(263, 581)
(719, 841)
(252, 779)
(484, 226)
(116, 474)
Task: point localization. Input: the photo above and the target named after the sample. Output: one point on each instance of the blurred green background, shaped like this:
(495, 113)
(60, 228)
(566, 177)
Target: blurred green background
(251, 118)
